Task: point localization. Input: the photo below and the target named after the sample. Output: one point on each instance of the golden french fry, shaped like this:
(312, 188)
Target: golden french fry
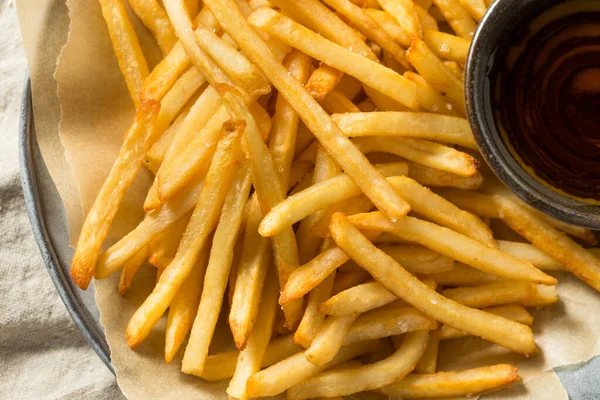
(346, 381)
(155, 19)
(250, 359)
(154, 223)
(369, 28)
(283, 134)
(329, 339)
(438, 128)
(455, 383)
(530, 253)
(355, 205)
(405, 14)
(127, 47)
(475, 7)
(455, 69)
(492, 294)
(358, 299)
(366, 105)
(313, 318)
(335, 103)
(322, 81)
(457, 17)
(287, 373)
(163, 247)
(382, 102)
(389, 25)
(347, 61)
(543, 296)
(155, 155)
(138, 140)
(184, 306)
(419, 260)
(316, 119)
(433, 70)
(317, 197)
(269, 192)
(426, 20)
(430, 154)
(428, 362)
(346, 280)
(251, 274)
(454, 245)
(430, 99)
(217, 273)
(433, 177)
(463, 275)
(130, 270)
(222, 365)
(202, 222)
(319, 18)
(446, 46)
(383, 268)
(349, 87)
(512, 311)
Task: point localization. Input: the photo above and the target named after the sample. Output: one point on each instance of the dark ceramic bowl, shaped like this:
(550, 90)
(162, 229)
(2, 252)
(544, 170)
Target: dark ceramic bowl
(502, 19)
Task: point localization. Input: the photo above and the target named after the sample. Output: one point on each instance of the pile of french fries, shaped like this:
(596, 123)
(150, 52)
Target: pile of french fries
(315, 177)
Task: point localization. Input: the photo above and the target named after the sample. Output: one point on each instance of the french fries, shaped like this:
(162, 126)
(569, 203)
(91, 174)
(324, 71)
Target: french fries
(262, 198)
(455, 383)
(130, 56)
(138, 140)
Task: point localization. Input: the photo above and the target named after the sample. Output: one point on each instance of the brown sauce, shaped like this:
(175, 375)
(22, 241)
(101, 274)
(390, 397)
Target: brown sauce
(547, 102)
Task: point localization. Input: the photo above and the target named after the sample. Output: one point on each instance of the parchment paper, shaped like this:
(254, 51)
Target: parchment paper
(96, 110)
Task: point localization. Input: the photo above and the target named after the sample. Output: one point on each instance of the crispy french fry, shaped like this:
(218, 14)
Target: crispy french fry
(493, 294)
(336, 103)
(366, 105)
(130, 270)
(184, 306)
(155, 155)
(430, 154)
(433, 177)
(202, 222)
(154, 223)
(457, 17)
(463, 275)
(390, 25)
(455, 383)
(369, 28)
(313, 318)
(388, 82)
(317, 197)
(418, 260)
(319, 18)
(155, 19)
(433, 70)
(163, 247)
(346, 280)
(217, 273)
(383, 268)
(446, 46)
(475, 7)
(439, 128)
(317, 120)
(383, 102)
(426, 20)
(405, 14)
(446, 242)
(349, 87)
(127, 47)
(251, 274)
(355, 205)
(428, 362)
(138, 140)
(287, 373)
(340, 382)
(543, 296)
(455, 69)
(329, 339)
(430, 99)
(283, 134)
(513, 312)
(222, 365)
(269, 192)
(530, 253)
(322, 81)
(250, 359)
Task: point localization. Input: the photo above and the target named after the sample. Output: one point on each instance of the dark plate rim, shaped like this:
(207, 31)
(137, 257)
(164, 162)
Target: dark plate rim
(31, 192)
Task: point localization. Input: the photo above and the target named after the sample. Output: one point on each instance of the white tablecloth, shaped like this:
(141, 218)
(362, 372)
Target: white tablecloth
(42, 353)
